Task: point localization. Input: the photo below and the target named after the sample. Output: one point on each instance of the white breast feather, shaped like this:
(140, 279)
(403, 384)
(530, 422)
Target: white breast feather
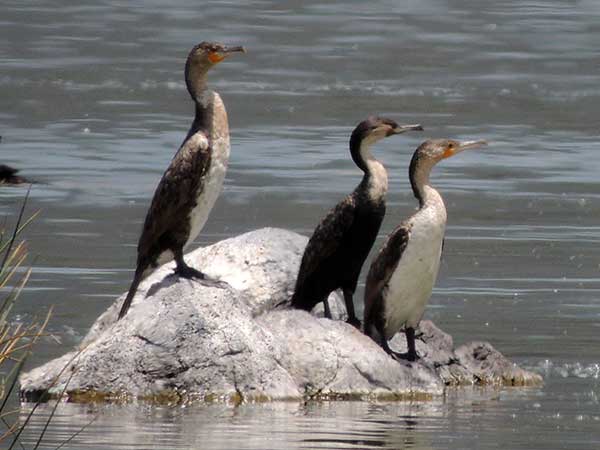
(213, 181)
(378, 182)
(412, 282)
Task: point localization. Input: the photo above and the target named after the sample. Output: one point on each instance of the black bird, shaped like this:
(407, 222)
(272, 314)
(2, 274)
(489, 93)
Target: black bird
(340, 244)
(192, 182)
(402, 275)
(8, 175)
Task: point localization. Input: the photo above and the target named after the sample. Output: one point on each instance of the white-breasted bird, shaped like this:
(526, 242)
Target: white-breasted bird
(402, 276)
(191, 184)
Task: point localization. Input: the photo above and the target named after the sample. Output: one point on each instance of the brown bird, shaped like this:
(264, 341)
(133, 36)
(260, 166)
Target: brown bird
(192, 182)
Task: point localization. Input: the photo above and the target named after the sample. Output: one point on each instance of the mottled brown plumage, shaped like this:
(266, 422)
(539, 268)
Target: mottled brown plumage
(327, 237)
(336, 252)
(192, 182)
(174, 198)
(378, 278)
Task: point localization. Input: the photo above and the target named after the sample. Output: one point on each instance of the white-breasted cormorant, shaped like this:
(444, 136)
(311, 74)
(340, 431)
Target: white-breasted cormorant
(401, 277)
(192, 182)
(340, 244)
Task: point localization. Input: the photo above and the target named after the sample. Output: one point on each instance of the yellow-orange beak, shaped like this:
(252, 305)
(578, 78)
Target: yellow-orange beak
(465, 145)
(218, 56)
(448, 152)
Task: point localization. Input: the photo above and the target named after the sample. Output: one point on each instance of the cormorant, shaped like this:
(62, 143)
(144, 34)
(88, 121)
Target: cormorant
(401, 277)
(340, 244)
(8, 175)
(192, 182)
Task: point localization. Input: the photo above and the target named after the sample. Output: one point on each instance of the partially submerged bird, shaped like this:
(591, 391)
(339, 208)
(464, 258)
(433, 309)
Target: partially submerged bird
(8, 175)
(401, 277)
(340, 244)
(192, 182)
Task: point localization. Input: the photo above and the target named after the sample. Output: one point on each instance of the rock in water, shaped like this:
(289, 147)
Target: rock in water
(183, 341)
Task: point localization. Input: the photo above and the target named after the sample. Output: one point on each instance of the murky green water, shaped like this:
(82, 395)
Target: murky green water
(93, 106)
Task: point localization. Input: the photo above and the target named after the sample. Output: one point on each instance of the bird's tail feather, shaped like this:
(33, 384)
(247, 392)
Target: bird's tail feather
(137, 278)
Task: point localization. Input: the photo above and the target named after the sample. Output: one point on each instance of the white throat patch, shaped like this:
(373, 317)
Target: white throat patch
(378, 178)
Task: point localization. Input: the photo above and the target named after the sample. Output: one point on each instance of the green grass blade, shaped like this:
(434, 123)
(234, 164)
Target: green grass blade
(16, 229)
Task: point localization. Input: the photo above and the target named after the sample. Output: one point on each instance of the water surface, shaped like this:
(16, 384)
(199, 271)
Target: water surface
(94, 106)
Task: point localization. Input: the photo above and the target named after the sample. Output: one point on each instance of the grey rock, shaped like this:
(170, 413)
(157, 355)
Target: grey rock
(185, 340)
(488, 366)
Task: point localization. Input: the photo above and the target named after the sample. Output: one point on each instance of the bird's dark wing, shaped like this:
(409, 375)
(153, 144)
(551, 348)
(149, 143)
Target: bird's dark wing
(385, 263)
(7, 171)
(175, 194)
(327, 238)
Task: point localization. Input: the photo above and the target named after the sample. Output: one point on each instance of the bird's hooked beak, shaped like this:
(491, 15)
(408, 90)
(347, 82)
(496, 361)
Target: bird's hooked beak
(219, 55)
(399, 129)
(464, 145)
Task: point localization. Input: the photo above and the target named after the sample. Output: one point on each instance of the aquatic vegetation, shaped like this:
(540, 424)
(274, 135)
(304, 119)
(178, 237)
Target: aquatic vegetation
(17, 338)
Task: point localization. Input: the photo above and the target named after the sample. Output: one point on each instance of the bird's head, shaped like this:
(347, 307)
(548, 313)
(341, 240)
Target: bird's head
(428, 154)
(201, 59)
(375, 128)
(208, 54)
(370, 131)
(435, 150)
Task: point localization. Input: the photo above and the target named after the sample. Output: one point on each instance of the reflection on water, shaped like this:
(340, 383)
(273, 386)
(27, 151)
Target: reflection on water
(289, 425)
(94, 106)
(471, 418)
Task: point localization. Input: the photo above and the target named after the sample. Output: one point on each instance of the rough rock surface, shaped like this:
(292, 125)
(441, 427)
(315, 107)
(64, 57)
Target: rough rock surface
(183, 340)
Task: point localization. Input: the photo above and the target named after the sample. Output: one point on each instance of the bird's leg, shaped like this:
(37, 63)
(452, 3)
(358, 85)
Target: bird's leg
(376, 332)
(411, 355)
(326, 310)
(397, 356)
(185, 271)
(352, 320)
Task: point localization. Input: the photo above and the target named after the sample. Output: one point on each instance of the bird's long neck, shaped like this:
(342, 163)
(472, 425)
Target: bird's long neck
(375, 179)
(196, 82)
(418, 172)
(203, 114)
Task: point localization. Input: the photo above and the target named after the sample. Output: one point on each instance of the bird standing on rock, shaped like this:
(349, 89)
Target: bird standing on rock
(192, 182)
(401, 277)
(340, 244)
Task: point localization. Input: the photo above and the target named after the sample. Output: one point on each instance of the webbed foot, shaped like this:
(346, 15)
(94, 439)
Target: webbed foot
(185, 271)
(211, 282)
(408, 356)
